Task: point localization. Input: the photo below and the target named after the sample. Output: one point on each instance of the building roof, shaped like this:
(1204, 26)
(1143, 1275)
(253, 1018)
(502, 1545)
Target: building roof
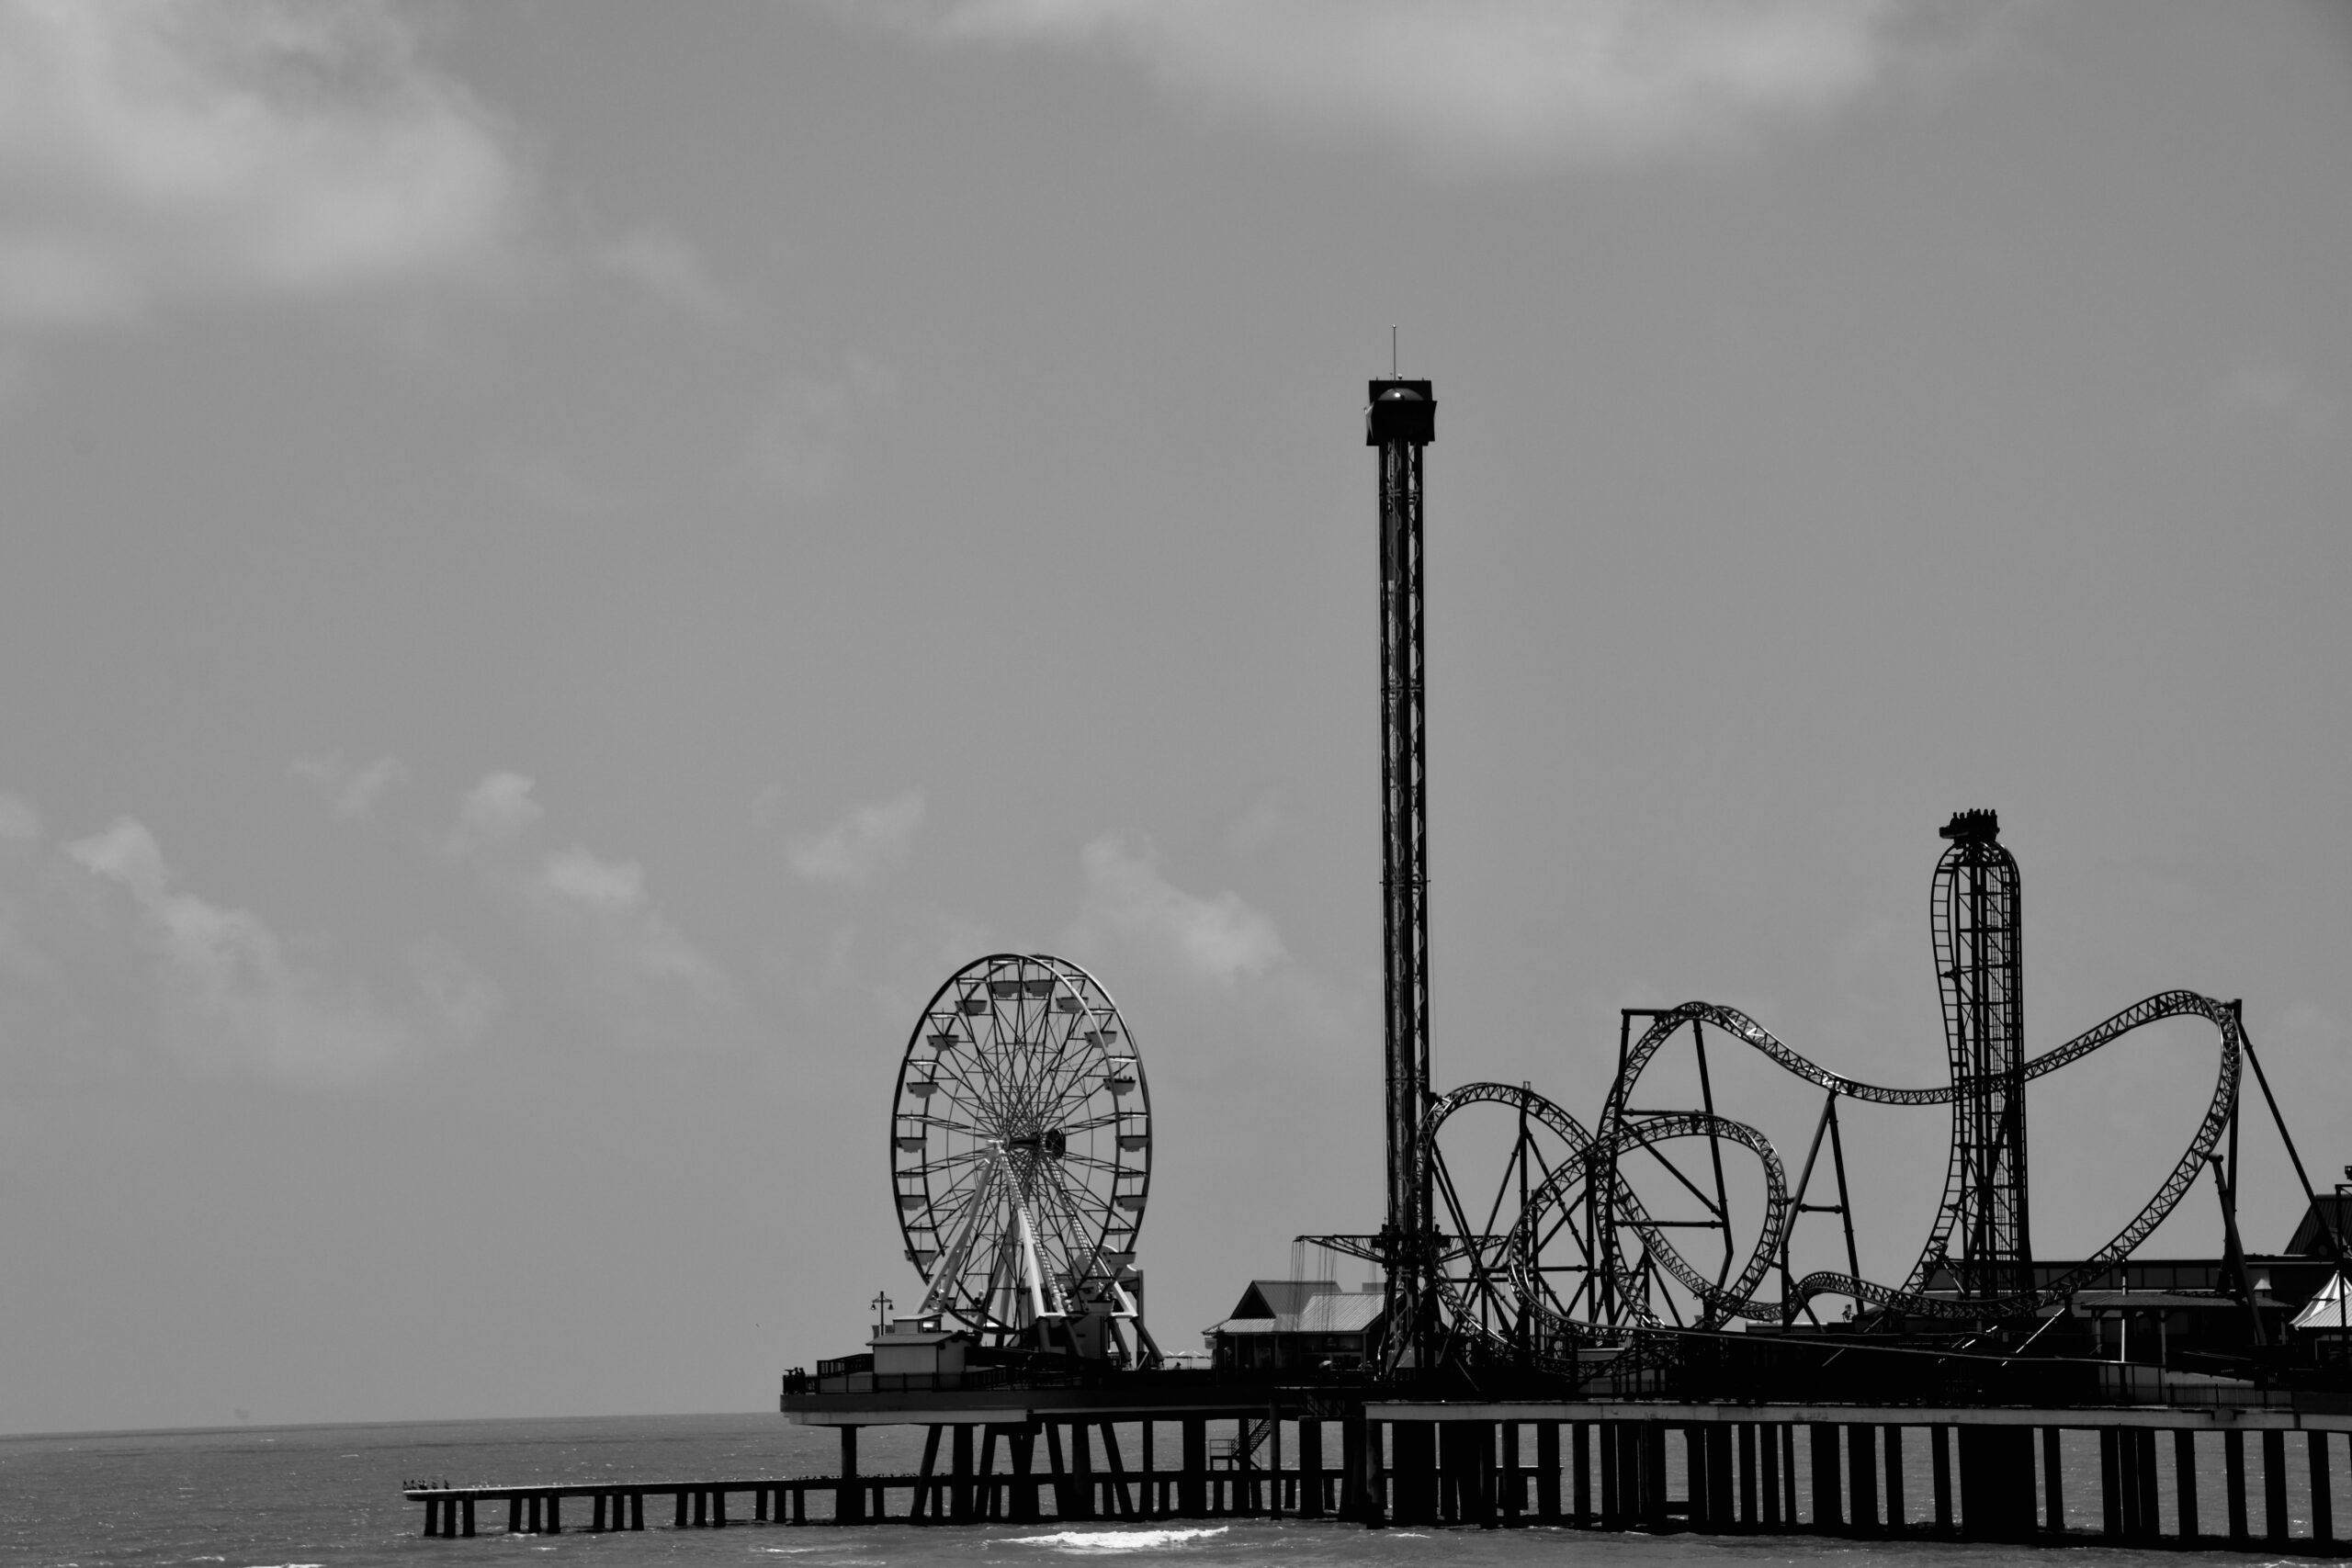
(2327, 1210)
(2151, 1301)
(1316, 1306)
(1279, 1297)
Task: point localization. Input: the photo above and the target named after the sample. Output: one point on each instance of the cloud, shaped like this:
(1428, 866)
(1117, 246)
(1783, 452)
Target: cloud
(665, 264)
(352, 793)
(234, 996)
(157, 149)
(496, 811)
(800, 438)
(594, 919)
(1218, 939)
(868, 843)
(1471, 80)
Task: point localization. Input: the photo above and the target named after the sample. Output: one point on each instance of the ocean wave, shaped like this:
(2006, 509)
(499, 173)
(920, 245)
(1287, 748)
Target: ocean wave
(1116, 1540)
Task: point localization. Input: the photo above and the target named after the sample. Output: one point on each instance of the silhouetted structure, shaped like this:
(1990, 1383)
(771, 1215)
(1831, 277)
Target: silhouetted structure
(1400, 420)
(1552, 1307)
(1978, 965)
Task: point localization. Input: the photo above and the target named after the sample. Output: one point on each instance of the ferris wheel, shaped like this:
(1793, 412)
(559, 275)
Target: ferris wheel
(1020, 1158)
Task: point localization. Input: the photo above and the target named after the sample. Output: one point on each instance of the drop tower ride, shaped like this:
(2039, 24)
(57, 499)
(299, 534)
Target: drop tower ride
(1400, 420)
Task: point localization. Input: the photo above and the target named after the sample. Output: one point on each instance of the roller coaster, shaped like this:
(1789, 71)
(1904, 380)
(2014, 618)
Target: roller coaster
(1557, 1265)
(1558, 1261)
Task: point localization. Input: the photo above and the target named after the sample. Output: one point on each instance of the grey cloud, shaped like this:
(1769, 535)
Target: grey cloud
(867, 843)
(152, 149)
(1216, 937)
(594, 920)
(234, 996)
(1477, 82)
(661, 262)
(799, 440)
(352, 793)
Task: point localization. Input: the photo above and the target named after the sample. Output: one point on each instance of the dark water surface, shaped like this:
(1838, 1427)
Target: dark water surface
(329, 1497)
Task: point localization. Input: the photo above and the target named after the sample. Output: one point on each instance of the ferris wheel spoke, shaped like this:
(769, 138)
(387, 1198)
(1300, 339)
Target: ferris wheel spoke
(1108, 1167)
(945, 1163)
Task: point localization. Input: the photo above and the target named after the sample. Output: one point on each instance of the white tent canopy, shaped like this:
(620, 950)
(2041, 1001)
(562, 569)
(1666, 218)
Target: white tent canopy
(2331, 1308)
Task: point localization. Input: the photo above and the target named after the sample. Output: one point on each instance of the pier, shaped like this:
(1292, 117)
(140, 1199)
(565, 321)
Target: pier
(2216, 1478)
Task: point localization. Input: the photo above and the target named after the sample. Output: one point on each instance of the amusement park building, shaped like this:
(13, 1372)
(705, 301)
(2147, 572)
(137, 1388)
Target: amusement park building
(1298, 1325)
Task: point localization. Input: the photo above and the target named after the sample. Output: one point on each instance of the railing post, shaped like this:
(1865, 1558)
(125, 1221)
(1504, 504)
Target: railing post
(1897, 1524)
(1653, 1462)
(2115, 1481)
(2053, 1484)
(1613, 1479)
(1996, 1482)
(1510, 1482)
(1581, 1455)
(1828, 1506)
(1722, 1489)
(2184, 1480)
(2233, 1484)
(1413, 1465)
(2323, 1506)
(1547, 1472)
(1746, 1437)
(2274, 1486)
(1861, 1465)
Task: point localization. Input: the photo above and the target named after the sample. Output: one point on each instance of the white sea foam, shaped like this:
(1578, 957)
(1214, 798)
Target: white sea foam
(1116, 1540)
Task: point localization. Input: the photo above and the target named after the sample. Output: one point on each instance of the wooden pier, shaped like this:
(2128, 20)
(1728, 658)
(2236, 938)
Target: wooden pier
(1995, 1473)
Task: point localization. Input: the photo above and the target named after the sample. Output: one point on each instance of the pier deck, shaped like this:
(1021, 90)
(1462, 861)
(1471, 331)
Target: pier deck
(1994, 1472)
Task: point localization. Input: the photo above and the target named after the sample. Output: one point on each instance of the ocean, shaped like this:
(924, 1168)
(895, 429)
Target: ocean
(329, 1497)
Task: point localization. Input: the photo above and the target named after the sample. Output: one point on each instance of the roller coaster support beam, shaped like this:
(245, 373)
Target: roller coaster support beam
(2327, 1217)
(1790, 1301)
(1714, 1150)
(1400, 419)
(2233, 1251)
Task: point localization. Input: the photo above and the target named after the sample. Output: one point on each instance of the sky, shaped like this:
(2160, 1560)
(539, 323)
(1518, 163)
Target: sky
(567, 562)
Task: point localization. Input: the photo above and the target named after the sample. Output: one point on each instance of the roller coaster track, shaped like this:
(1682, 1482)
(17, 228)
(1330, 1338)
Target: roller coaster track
(1525, 1240)
(1617, 1132)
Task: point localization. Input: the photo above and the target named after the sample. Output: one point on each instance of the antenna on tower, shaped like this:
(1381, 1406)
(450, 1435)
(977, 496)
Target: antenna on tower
(1392, 351)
